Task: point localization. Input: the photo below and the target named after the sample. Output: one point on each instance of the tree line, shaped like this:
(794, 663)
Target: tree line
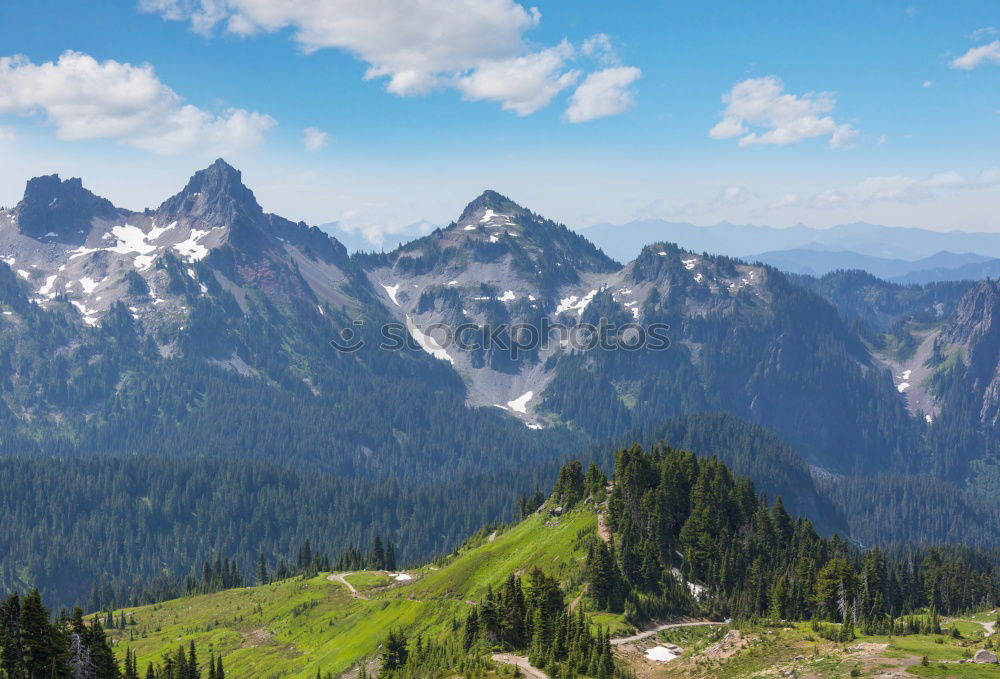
(689, 537)
(36, 645)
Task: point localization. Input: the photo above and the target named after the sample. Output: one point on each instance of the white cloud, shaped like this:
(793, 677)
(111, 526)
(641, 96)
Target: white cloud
(928, 83)
(981, 33)
(87, 99)
(314, 139)
(780, 118)
(903, 189)
(831, 198)
(600, 47)
(521, 84)
(881, 139)
(729, 196)
(413, 43)
(978, 56)
(786, 200)
(475, 46)
(603, 93)
(6, 134)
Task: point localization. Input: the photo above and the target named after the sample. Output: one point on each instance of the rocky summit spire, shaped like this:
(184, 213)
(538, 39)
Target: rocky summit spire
(58, 210)
(215, 196)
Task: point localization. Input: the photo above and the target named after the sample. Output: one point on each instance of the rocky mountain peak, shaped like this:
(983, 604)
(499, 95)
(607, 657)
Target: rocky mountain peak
(215, 196)
(491, 200)
(60, 210)
(977, 312)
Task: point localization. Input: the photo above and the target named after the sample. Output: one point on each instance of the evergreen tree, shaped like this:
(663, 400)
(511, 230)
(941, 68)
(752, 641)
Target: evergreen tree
(262, 576)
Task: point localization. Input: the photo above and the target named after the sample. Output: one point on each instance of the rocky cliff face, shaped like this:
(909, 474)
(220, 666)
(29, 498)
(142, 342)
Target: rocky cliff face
(974, 333)
(54, 210)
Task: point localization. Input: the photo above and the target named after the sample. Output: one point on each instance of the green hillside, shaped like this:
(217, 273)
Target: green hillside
(295, 627)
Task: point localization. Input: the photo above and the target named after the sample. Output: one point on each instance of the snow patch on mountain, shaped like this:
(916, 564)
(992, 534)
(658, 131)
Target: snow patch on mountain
(88, 284)
(520, 404)
(391, 290)
(427, 343)
(574, 303)
(191, 249)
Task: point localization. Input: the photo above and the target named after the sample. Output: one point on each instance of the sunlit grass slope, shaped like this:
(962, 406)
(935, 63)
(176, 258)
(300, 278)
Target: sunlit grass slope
(295, 627)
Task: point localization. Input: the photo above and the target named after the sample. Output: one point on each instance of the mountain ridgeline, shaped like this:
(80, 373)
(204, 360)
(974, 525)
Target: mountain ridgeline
(170, 372)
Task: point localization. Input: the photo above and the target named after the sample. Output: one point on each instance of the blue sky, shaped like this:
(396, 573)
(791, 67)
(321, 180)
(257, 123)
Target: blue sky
(585, 111)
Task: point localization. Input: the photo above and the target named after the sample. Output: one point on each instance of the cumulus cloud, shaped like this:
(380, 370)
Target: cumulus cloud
(904, 189)
(977, 56)
(830, 199)
(87, 99)
(603, 93)
(601, 48)
(729, 196)
(759, 111)
(475, 46)
(412, 43)
(521, 84)
(786, 200)
(314, 139)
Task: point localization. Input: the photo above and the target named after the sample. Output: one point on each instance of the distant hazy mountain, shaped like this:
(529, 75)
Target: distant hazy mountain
(625, 241)
(822, 262)
(973, 271)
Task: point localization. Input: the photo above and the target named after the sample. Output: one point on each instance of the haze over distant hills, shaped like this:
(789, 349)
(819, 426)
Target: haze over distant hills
(885, 251)
(624, 241)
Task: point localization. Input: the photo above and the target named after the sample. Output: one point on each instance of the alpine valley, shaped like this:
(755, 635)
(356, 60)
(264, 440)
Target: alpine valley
(174, 381)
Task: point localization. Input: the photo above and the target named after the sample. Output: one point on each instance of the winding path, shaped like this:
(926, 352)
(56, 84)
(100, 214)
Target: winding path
(342, 579)
(529, 670)
(621, 641)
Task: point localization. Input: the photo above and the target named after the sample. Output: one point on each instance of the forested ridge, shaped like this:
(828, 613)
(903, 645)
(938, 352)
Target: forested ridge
(141, 524)
(689, 536)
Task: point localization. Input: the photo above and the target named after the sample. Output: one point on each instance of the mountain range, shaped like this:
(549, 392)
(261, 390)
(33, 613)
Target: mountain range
(195, 339)
(900, 254)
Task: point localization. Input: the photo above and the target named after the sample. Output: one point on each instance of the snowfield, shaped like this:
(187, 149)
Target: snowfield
(574, 303)
(391, 290)
(520, 404)
(427, 343)
(661, 654)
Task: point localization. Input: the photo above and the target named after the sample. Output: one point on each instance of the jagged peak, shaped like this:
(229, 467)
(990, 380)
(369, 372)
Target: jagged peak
(54, 207)
(214, 195)
(491, 200)
(47, 187)
(975, 312)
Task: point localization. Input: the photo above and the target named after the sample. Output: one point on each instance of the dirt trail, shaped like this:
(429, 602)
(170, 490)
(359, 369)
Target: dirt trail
(989, 627)
(602, 528)
(659, 628)
(522, 663)
(342, 579)
(579, 598)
